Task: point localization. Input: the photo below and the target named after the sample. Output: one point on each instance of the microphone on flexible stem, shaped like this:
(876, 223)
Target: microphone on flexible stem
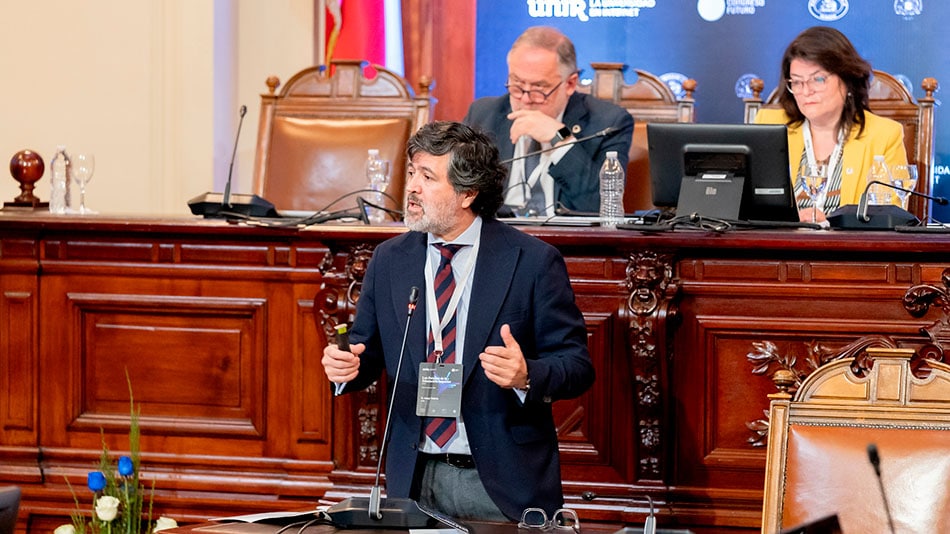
(885, 217)
(605, 132)
(875, 460)
(373, 513)
(226, 199)
(374, 493)
(244, 207)
(649, 525)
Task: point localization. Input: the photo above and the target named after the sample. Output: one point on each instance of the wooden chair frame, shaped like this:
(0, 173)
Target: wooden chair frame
(888, 98)
(648, 100)
(329, 97)
(836, 401)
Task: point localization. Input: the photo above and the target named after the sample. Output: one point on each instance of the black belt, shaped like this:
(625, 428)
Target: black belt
(460, 461)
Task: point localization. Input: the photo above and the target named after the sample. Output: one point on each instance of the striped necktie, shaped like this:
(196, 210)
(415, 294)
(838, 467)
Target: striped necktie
(441, 429)
(536, 204)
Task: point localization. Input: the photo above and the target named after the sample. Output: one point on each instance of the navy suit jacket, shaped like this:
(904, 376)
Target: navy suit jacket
(518, 280)
(577, 175)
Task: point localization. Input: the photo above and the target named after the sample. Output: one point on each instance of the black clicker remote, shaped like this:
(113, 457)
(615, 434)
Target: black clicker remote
(342, 337)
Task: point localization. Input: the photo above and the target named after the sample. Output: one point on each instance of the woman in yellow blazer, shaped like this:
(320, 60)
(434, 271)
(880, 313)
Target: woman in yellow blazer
(824, 103)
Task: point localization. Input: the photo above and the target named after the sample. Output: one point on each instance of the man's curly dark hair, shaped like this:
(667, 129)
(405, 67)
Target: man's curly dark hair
(473, 161)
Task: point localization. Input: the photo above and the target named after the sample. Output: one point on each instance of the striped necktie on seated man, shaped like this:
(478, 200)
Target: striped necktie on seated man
(536, 204)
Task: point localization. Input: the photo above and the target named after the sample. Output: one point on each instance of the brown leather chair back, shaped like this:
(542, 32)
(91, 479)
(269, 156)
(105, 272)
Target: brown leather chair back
(817, 460)
(648, 99)
(888, 98)
(314, 135)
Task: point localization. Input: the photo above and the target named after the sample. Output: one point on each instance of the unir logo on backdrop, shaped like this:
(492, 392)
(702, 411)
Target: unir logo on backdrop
(584, 10)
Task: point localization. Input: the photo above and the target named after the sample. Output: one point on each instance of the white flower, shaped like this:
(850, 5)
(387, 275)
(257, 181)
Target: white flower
(164, 523)
(65, 529)
(107, 507)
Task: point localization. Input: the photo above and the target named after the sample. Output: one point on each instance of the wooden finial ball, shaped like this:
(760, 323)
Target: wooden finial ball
(27, 166)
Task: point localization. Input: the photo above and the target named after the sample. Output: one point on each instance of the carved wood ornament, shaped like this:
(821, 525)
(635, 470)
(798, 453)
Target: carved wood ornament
(649, 279)
(788, 372)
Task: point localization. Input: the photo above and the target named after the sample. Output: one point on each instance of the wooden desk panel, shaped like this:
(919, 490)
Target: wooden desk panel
(221, 327)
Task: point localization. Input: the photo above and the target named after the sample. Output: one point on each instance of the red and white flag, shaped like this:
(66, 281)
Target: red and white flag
(363, 29)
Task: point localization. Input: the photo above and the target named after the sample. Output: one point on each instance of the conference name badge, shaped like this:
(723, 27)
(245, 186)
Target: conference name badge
(440, 390)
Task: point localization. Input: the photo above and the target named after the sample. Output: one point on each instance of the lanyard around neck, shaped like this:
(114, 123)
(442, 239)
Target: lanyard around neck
(435, 324)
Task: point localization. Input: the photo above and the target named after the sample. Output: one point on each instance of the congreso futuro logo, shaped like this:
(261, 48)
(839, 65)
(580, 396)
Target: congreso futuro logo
(823, 10)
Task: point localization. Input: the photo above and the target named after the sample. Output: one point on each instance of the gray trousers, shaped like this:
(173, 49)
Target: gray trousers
(457, 493)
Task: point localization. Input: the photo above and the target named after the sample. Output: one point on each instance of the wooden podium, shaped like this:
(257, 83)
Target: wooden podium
(221, 326)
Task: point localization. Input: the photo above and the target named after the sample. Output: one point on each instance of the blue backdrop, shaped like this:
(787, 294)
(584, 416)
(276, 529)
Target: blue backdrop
(723, 43)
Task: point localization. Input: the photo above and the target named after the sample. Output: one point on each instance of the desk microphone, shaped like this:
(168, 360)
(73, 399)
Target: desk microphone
(244, 206)
(878, 217)
(603, 133)
(875, 460)
(375, 513)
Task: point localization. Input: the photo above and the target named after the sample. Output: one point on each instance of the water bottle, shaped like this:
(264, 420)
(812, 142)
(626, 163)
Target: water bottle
(611, 191)
(879, 194)
(59, 182)
(375, 177)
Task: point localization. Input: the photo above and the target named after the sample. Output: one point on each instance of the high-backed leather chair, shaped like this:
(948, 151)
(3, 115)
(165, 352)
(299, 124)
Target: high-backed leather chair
(9, 506)
(818, 463)
(888, 98)
(648, 99)
(314, 135)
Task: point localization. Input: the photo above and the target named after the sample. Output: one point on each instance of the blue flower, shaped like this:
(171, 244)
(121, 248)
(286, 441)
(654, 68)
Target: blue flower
(126, 467)
(96, 480)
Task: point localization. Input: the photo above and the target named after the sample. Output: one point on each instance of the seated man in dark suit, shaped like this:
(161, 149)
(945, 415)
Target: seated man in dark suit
(543, 109)
(497, 329)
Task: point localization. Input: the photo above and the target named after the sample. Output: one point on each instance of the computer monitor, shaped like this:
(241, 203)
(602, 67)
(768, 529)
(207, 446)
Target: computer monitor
(756, 154)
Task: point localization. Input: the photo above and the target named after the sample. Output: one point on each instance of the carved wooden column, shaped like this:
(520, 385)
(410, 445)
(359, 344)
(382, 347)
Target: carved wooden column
(335, 303)
(652, 310)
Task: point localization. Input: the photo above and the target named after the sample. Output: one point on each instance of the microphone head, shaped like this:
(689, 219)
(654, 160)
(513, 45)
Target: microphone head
(243, 110)
(862, 211)
(874, 458)
(413, 295)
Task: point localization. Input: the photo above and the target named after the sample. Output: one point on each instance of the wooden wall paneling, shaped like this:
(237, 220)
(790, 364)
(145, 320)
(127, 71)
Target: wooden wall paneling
(19, 359)
(210, 332)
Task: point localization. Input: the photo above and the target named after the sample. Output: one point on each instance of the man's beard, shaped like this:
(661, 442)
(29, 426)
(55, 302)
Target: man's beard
(435, 221)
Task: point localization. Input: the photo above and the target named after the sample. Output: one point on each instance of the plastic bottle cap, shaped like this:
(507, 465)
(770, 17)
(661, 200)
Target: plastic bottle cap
(373, 152)
(879, 157)
(612, 154)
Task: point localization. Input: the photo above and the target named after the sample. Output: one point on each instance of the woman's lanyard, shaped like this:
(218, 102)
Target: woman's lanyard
(810, 148)
(435, 325)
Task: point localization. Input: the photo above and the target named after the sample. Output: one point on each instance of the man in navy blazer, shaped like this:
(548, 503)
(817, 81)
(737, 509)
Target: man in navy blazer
(543, 110)
(520, 337)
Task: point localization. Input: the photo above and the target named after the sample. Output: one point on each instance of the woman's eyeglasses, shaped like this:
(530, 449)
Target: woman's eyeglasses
(816, 83)
(536, 518)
